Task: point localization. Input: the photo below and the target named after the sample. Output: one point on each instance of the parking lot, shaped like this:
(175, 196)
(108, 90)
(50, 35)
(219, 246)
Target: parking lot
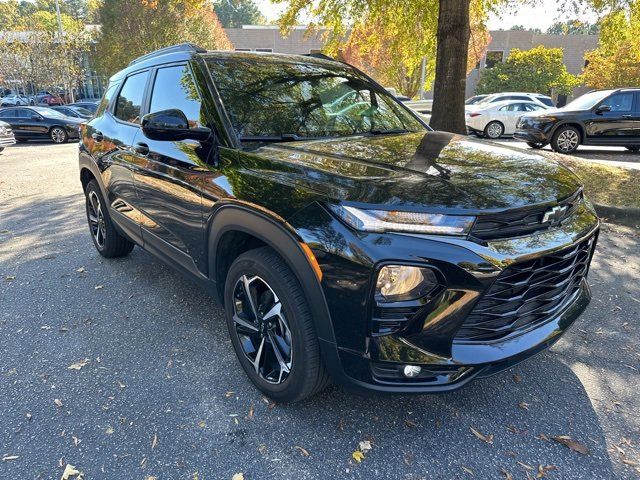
(124, 369)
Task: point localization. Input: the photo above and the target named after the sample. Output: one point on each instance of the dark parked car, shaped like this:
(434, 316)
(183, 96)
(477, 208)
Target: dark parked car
(345, 239)
(603, 117)
(73, 111)
(30, 123)
(6, 136)
(90, 106)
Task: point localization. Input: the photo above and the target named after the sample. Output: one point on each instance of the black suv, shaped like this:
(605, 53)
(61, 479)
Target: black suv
(345, 239)
(603, 117)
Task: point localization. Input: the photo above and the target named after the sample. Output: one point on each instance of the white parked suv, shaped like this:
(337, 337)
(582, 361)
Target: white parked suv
(522, 96)
(493, 120)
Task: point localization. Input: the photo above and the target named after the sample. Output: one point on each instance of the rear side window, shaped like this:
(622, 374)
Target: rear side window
(129, 100)
(24, 113)
(547, 101)
(8, 113)
(174, 88)
(620, 102)
(106, 99)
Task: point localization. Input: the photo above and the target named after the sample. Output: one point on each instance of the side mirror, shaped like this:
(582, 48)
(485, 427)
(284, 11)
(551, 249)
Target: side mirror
(172, 124)
(603, 108)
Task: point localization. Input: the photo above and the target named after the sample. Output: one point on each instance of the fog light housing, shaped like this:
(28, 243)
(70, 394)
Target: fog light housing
(398, 283)
(411, 371)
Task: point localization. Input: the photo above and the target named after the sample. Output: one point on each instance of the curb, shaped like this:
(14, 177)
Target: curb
(629, 216)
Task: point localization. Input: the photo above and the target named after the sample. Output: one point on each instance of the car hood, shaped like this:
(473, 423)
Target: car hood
(416, 171)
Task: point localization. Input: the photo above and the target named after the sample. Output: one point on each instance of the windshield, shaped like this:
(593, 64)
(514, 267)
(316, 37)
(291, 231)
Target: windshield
(271, 97)
(587, 101)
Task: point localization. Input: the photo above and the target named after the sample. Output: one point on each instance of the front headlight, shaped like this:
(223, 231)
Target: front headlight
(397, 283)
(544, 119)
(3, 130)
(410, 222)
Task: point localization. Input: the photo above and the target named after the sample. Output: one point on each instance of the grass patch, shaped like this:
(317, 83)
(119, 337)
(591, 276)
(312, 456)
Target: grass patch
(605, 185)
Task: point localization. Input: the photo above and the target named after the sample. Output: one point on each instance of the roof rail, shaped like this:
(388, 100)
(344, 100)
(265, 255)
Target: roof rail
(320, 55)
(181, 47)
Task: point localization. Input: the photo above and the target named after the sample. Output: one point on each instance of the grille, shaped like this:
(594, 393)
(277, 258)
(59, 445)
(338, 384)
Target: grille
(528, 294)
(388, 320)
(520, 222)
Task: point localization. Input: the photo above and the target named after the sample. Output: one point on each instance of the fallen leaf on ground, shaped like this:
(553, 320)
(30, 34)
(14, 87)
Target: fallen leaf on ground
(229, 394)
(410, 423)
(71, 471)
(524, 465)
(571, 444)
(365, 446)
(302, 450)
(542, 436)
(9, 278)
(517, 378)
(358, 456)
(58, 402)
(524, 405)
(76, 440)
(7, 458)
(154, 442)
(99, 287)
(250, 415)
(626, 461)
(109, 430)
(468, 470)
(506, 474)
(78, 365)
(543, 469)
(80, 270)
(484, 438)
(121, 385)
(237, 476)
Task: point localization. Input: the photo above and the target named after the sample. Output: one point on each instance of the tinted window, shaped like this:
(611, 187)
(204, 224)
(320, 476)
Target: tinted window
(620, 102)
(546, 101)
(532, 107)
(130, 98)
(267, 96)
(106, 99)
(24, 113)
(10, 112)
(174, 88)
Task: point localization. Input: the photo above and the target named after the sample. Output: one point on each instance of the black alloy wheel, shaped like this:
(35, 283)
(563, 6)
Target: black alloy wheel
(271, 327)
(58, 135)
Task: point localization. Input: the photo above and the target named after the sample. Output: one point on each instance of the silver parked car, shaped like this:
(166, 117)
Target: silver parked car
(6, 136)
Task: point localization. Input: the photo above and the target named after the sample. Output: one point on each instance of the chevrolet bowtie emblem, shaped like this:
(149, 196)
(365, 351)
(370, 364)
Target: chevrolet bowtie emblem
(554, 215)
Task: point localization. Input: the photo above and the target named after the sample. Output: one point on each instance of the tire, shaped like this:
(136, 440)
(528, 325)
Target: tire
(293, 371)
(494, 130)
(633, 148)
(566, 139)
(536, 145)
(58, 135)
(107, 240)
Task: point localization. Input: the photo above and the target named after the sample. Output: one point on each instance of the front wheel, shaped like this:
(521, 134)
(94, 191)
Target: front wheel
(633, 148)
(59, 135)
(535, 145)
(494, 130)
(566, 139)
(271, 327)
(106, 238)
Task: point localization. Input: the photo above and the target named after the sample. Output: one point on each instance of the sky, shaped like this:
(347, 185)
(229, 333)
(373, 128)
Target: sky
(540, 17)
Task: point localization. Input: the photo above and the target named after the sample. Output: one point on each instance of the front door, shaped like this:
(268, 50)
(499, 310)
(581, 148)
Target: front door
(615, 125)
(168, 173)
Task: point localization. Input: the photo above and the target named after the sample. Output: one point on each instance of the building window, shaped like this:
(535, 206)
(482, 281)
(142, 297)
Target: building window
(493, 57)
(243, 49)
(268, 50)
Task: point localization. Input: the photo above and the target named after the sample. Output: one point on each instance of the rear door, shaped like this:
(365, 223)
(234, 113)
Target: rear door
(168, 172)
(10, 115)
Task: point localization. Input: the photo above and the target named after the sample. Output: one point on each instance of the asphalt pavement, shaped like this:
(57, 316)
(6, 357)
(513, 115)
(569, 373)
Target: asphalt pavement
(124, 369)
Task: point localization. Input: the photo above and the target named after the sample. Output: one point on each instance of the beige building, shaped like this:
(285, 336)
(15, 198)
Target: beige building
(267, 38)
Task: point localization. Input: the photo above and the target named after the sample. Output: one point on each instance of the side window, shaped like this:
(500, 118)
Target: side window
(8, 113)
(130, 98)
(106, 99)
(547, 101)
(532, 107)
(24, 113)
(173, 88)
(620, 102)
(506, 108)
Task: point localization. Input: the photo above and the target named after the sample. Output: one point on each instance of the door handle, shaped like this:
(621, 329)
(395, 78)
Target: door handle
(141, 148)
(97, 136)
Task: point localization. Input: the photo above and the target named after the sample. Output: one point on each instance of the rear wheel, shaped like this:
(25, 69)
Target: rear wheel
(106, 238)
(58, 135)
(566, 139)
(493, 130)
(535, 145)
(271, 327)
(633, 148)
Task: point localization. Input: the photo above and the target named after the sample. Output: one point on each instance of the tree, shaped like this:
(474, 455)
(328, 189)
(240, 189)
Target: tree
(540, 70)
(521, 28)
(573, 27)
(616, 61)
(235, 13)
(131, 28)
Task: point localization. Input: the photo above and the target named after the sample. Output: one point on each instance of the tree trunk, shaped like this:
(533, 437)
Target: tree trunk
(451, 66)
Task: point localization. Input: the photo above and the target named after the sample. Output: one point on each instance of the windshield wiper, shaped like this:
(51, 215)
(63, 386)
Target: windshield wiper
(285, 137)
(387, 132)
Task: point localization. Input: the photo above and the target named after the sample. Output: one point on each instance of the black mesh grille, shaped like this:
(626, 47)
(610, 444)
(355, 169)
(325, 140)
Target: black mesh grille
(527, 294)
(519, 222)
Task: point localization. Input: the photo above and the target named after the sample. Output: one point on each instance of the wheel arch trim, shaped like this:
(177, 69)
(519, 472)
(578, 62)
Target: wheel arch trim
(242, 218)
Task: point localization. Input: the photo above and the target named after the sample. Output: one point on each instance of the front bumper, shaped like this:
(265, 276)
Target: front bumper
(362, 359)
(6, 140)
